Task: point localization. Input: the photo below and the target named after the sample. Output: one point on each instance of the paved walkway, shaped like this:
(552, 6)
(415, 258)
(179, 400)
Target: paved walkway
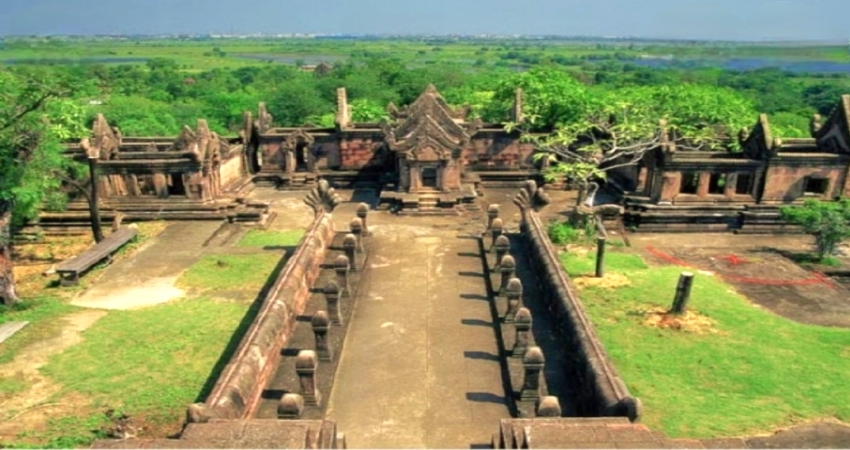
(420, 367)
(148, 277)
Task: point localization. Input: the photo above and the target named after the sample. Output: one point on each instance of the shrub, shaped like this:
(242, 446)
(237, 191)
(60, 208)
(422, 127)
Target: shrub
(563, 233)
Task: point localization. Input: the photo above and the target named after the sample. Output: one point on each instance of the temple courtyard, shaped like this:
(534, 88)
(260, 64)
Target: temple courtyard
(422, 356)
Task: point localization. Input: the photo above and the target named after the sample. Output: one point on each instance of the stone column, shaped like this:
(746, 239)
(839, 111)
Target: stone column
(415, 178)
(642, 180)
(305, 367)
(532, 363)
(349, 245)
(356, 227)
(496, 230)
(290, 407)
(289, 159)
(331, 292)
(704, 181)
(321, 323)
(522, 325)
(731, 184)
(514, 294)
(160, 184)
(508, 270)
(403, 175)
(502, 246)
(342, 266)
(362, 212)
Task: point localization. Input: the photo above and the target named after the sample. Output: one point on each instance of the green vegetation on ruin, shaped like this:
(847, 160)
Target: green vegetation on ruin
(749, 372)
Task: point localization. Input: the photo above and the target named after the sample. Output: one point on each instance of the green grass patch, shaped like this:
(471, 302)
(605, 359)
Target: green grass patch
(12, 385)
(755, 372)
(229, 272)
(43, 315)
(578, 264)
(155, 360)
(271, 238)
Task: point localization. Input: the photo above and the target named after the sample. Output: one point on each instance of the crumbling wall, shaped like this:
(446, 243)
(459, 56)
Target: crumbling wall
(602, 391)
(237, 392)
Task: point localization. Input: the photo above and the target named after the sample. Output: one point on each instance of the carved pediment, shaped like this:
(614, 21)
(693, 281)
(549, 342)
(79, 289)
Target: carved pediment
(105, 140)
(759, 143)
(428, 153)
(834, 134)
(298, 136)
(186, 141)
(427, 130)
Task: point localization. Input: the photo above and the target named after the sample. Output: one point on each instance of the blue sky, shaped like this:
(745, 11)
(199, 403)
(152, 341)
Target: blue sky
(680, 19)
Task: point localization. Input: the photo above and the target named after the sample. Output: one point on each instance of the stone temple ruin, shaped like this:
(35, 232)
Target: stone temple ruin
(308, 373)
(432, 158)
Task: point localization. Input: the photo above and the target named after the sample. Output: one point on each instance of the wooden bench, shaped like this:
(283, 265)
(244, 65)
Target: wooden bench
(69, 270)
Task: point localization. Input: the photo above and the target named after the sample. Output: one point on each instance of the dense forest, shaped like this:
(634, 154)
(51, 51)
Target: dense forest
(158, 97)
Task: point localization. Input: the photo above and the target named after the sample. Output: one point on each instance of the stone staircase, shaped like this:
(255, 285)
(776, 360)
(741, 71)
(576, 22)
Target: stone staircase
(597, 432)
(256, 433)
(76, 219)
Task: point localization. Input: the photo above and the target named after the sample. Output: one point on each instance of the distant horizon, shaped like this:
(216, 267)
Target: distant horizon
(680, 20)
(494, 36)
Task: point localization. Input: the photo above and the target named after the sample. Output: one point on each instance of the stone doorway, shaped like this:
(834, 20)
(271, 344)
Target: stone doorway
(429, 177)
(301, 164)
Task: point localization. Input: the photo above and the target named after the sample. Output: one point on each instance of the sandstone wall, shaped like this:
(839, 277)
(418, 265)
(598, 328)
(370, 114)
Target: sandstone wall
(786, 183)
(497, 151)
(237, 392)
(232, 169)
(602, 391)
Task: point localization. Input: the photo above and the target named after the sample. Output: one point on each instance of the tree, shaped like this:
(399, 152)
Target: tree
(595, 130)
(826, 221)
(30, 154)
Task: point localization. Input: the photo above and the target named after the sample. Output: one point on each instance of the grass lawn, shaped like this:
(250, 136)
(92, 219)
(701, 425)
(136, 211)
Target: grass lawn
(153, 362)
(751, 373)
(43, 302)
(271, 238)
(223, 274)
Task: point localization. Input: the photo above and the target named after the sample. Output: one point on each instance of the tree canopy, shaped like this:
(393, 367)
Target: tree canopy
(35, 117)
(590, 129)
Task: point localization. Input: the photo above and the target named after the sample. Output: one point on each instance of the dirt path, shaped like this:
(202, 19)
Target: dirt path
(23, 410)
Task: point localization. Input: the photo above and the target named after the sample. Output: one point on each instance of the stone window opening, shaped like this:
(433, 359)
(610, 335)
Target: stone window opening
(717, 184)
(690, 183)
(176, 185)
(744, 184)
(816, 186)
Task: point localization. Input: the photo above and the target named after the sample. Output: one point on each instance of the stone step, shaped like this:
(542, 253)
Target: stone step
(255, 433)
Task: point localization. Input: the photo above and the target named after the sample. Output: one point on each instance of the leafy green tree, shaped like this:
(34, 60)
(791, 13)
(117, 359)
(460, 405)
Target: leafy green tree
(367, 110)
(595, 130)
(140, 116)
(552, 97)
(826, 221)
(30, 154)
(823, 97)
